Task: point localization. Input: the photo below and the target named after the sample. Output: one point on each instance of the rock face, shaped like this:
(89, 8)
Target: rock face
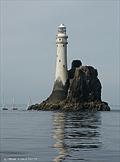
(82, 91)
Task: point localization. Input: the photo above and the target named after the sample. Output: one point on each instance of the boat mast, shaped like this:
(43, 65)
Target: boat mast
(13, 102)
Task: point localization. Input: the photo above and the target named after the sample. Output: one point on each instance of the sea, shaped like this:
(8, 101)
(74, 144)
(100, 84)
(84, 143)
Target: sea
(53, 136)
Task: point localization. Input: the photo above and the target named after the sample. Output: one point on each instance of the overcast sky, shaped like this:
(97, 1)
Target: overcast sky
(28, 49)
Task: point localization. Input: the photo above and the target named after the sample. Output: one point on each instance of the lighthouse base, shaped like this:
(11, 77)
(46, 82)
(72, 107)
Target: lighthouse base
(59, 92)
(82, 91)
(70, 106)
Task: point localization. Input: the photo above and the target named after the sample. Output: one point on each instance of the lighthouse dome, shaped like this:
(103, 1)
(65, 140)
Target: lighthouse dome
(62, 29)
(62, 26)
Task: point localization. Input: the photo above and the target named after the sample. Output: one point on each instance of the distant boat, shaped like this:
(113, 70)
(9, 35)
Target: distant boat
(15, 108)
(13, 104)
(4, 107)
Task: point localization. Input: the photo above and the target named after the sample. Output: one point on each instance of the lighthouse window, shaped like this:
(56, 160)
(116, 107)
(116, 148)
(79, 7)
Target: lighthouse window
(59, 39)
(63, 66)
(63, 45)
(59, 60)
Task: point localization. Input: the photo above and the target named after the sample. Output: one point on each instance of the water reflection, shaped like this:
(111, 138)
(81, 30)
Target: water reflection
(59, 135)
(75, 132)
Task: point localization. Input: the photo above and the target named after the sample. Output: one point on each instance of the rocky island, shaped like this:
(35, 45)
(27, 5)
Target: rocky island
(76, 89)
(82, 91)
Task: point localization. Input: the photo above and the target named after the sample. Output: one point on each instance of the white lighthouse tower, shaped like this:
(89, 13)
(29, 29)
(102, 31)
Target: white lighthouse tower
(61, 74)
(59, 92)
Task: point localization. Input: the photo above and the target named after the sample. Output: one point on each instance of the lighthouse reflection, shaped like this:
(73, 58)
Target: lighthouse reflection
(75, 132)
(59, 135)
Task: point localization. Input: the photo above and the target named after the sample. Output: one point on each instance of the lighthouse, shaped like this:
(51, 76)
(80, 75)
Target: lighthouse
(61, 74)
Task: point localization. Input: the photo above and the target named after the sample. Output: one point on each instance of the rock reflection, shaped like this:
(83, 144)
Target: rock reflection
(75, 131)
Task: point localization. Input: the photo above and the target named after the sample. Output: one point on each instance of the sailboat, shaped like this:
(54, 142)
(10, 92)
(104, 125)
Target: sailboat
(13, 104)
(4, 107)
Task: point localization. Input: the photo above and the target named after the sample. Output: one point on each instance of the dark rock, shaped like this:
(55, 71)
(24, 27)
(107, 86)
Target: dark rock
(82, 91)
(77, 86)
(84, 86)
(65, 106)
(75, 64)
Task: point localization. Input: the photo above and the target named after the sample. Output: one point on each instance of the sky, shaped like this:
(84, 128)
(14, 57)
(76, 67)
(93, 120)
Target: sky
(28, 49)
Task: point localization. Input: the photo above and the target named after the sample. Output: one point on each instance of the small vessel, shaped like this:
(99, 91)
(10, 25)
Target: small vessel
(13, 104)
(4, 107)
(15, 108)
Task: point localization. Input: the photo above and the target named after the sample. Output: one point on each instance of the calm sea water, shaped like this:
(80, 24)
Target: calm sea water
(60, 137)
